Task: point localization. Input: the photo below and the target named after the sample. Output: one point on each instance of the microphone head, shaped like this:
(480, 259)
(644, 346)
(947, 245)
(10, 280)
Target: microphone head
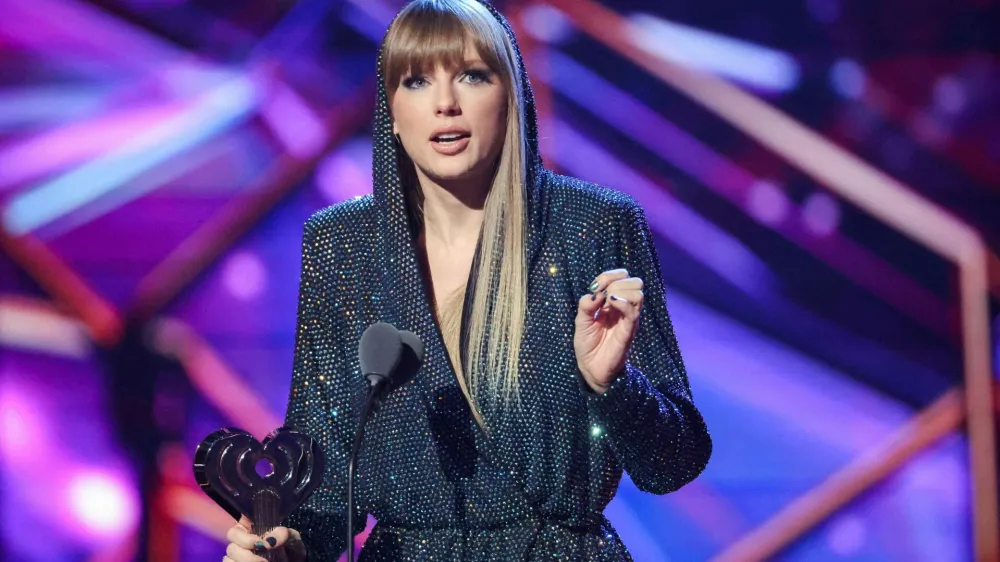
(380, 350)
(413, 342)
(409, 364)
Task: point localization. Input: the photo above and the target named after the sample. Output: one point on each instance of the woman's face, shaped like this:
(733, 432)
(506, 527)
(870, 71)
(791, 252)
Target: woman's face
(452, 122)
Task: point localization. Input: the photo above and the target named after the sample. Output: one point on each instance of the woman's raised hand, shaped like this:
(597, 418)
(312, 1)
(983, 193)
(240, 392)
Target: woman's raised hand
(606, 322)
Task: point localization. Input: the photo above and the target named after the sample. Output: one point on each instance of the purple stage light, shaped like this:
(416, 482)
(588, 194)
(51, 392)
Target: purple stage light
(245, 275)
(950, 95)
(848, 78)
(547, 24)
(821, 214)
(104, 504)
(21, 424)
(346, 173)
(296, 125)
(767, 203)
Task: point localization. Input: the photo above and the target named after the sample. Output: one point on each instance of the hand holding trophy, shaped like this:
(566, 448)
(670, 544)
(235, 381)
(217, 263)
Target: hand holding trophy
(260, 484)
(245, 546)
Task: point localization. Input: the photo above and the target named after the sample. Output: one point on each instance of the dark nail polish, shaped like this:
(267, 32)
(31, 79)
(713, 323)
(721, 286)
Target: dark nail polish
(272, 541)
(614, 298)
(258, 547)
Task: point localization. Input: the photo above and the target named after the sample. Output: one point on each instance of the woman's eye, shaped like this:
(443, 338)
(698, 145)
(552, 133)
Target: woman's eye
(477, 76)
(413, 82)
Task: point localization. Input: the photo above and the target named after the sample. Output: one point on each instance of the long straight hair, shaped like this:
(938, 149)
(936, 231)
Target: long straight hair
(431, 32)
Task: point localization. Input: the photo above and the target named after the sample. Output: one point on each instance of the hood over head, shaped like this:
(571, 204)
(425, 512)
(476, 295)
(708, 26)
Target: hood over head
(401, 299)
(388, 190)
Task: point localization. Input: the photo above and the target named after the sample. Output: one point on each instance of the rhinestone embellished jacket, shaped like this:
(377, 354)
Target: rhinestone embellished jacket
(440, 489)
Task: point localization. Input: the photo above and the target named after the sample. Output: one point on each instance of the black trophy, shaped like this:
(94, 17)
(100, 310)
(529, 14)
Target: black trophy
(265, 482)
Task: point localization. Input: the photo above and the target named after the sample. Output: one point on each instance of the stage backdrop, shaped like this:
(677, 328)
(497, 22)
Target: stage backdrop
(822, 178)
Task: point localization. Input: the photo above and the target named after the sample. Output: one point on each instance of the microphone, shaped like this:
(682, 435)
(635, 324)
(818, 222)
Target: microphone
(380, 350)
(410, 362)
(389, 357)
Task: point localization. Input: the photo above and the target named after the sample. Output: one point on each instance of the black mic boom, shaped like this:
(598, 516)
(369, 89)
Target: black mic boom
(388, 358)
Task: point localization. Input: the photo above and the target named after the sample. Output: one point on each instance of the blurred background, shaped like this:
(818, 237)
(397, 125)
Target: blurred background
(822, 178)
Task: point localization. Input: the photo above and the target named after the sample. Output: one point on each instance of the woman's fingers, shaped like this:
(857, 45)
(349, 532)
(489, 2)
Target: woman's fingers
(602, 281)
(240, 554)
(629, 289)
(628, 283)
(603, 285)
(628, 302)
(241, 537)
(244, 546)
(277, 537)
(589, 305)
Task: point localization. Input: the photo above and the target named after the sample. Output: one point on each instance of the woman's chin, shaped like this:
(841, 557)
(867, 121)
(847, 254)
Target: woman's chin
(450, 174)
(456, 170)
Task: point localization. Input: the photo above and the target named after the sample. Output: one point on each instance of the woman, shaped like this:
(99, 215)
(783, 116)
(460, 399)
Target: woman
(540, 382)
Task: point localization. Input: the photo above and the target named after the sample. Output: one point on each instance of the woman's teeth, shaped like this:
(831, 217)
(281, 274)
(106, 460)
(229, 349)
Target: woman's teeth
(448, 138)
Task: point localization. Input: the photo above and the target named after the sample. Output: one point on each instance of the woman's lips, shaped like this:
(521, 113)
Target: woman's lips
(450, 147)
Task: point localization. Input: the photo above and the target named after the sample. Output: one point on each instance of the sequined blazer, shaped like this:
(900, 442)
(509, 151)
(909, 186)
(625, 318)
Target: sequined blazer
(439, 488)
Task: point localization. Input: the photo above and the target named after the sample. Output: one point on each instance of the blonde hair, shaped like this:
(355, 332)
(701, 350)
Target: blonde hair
(431, 32)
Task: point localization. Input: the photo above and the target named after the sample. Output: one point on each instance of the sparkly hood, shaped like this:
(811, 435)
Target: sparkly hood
(389, 197)
(394, 248)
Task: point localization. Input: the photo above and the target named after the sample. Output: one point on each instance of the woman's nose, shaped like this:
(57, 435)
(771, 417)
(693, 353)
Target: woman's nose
(447, 101)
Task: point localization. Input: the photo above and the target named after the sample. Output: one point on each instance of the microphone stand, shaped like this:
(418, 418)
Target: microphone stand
(373, 387)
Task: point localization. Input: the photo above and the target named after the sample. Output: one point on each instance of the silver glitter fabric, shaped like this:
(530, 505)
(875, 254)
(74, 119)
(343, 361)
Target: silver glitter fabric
(440, 489)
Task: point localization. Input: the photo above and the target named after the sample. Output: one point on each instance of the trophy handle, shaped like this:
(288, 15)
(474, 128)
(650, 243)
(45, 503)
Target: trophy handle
(265, 517)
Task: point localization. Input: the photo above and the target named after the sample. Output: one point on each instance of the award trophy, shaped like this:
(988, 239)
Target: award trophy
(263, 481)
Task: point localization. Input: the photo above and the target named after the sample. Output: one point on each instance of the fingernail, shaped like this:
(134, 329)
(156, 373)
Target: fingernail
(614, 298)
(259, 547)
(272, 541)
(593, 287)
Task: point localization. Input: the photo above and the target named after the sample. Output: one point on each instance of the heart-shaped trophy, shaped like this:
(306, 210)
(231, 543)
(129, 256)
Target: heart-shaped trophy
(265, 482)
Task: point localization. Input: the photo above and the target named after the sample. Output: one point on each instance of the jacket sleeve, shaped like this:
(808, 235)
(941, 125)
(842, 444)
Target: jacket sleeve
(318, 404)
(648, 412)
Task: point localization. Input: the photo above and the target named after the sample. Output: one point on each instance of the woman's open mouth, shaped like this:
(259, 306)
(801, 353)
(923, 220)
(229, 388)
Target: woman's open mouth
(450, 143)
